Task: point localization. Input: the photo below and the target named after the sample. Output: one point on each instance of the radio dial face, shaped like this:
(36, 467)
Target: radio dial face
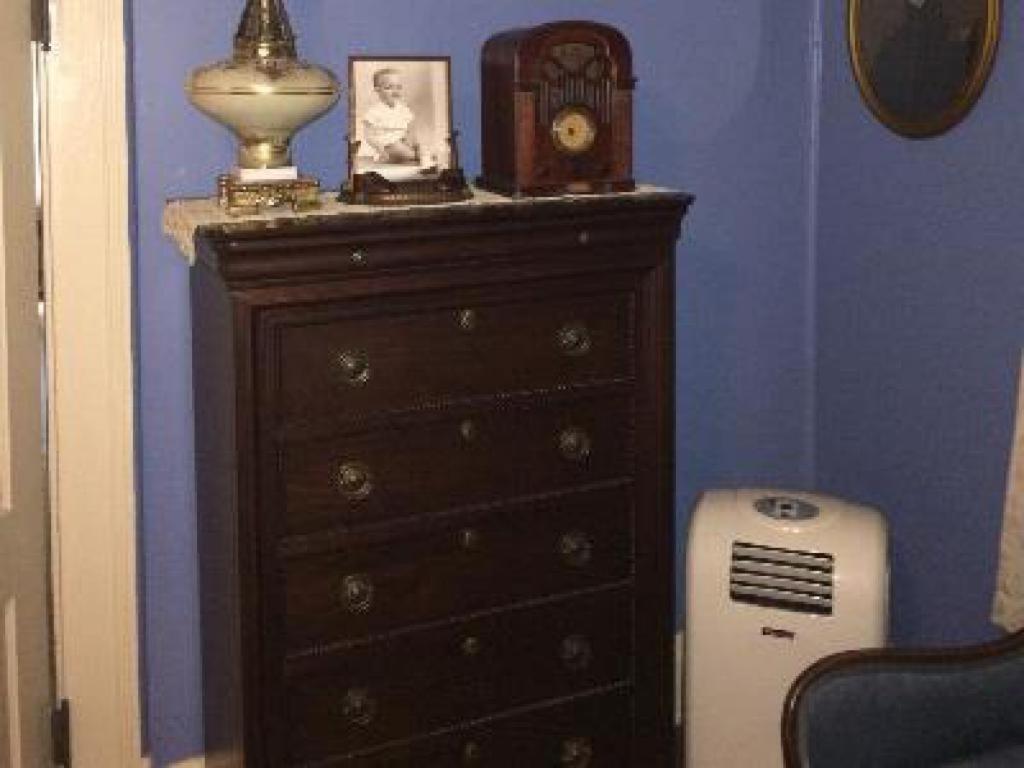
(574, 130)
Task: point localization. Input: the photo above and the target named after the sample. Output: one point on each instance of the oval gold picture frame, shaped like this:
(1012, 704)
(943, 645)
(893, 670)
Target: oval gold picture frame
(921, 65)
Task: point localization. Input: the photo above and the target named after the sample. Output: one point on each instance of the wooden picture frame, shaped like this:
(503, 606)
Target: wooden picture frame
(401, 146)
(921, 65)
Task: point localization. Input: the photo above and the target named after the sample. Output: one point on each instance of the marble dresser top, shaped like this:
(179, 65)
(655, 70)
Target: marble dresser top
(182, 218)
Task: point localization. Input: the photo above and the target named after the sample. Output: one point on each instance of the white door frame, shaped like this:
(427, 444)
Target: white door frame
(88, 277)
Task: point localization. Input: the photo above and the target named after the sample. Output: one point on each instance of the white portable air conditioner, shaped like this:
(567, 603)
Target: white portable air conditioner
(774, 581)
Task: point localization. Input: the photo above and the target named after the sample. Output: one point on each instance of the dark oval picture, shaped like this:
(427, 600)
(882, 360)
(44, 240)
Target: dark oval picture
(921, 64)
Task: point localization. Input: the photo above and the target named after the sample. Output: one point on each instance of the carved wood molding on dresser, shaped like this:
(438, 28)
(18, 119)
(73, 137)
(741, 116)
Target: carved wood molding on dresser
(434, 455)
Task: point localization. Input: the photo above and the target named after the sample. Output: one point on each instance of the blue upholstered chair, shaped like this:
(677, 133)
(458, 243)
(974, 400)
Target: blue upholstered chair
(909, 708)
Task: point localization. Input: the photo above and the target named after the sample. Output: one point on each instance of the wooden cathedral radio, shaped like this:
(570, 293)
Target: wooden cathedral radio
(557, 110)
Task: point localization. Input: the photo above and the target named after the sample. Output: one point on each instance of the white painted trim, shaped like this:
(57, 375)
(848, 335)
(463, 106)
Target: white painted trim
(88, 280)
(192, 762)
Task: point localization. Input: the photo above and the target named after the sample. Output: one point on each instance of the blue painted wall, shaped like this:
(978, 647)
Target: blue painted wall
(722, 111)
(920, 303)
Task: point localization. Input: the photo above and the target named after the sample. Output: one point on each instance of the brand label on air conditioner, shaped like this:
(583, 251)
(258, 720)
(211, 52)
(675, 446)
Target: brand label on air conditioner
(782, 634)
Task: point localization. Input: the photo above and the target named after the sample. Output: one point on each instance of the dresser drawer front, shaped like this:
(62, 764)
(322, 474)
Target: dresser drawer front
(362, 365)
(454, 460)
(591, 732)
(415, 683)
(470, 563)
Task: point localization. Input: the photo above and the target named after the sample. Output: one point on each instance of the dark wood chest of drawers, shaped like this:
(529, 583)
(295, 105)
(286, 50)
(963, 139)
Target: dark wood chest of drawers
(434, 481)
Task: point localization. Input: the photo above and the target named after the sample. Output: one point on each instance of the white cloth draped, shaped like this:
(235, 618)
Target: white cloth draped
(1008, 605)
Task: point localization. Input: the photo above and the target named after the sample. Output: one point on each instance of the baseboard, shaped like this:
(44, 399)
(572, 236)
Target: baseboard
(192, 762)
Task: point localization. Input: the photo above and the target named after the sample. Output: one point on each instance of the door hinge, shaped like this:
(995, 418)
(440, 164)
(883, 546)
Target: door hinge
(60, 726)
(41, 23)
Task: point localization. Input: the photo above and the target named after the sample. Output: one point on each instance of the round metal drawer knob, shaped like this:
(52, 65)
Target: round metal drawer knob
(577, 752)
(574, 444)
(471, 753)
(469, 539)
(576, 653)
(355, 481)
(358, 256)
(354, 367)
(467, 319)
(357, 593)
(471, 645)
(468, 430)
(358, 707)
(576, 548)
(573, 339)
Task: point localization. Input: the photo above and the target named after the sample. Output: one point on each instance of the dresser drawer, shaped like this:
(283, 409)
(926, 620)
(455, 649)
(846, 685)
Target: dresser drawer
(360, 365)
(589, 732)
(469, 563)
(450, 460)
(409, 684)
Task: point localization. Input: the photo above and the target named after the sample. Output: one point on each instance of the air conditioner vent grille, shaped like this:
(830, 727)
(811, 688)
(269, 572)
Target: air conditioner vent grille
(790, 579)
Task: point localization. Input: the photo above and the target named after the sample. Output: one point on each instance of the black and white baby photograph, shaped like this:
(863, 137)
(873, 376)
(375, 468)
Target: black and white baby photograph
(400, 116)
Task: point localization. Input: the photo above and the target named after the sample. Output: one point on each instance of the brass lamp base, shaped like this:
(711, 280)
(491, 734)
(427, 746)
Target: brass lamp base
(242, 198)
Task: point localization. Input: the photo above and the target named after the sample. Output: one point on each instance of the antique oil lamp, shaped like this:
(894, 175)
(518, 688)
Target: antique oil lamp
(264, 94)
